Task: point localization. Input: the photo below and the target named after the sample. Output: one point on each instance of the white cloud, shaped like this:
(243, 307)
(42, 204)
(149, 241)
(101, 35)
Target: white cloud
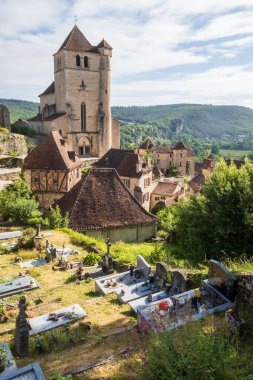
(147, 36)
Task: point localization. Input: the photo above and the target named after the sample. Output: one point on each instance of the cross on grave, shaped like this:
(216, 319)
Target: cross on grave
(22, 329)
(108, 243)
(107, 261)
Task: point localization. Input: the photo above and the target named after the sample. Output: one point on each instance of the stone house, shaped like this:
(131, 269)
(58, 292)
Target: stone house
(51, 169)
(167, 192)
(180, 157)
(100, 205)
(196, 183)
(137, 174)
(77, 102)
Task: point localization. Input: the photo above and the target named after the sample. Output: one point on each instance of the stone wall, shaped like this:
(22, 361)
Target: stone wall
(14, 143)
(5, 117)
(244, 288)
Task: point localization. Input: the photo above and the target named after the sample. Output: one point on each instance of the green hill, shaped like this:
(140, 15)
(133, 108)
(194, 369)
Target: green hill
(20, 109)
(166, 122)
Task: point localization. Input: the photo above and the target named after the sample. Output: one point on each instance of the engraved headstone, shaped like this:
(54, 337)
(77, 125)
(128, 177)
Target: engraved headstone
(161, 274)
(221, 279)
(143, 267)
(179, 281)
(22, 329)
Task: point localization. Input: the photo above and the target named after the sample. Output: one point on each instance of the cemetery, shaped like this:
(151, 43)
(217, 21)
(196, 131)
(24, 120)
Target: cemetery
(79, 318)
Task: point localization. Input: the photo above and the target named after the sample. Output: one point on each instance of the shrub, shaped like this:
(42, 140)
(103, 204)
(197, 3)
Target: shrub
(4, 130)
(191, 352)
(56, 219)
(26, 131)
(81, 240)
(12, 154)
(33, 222)
(3, 358)
(91, 259)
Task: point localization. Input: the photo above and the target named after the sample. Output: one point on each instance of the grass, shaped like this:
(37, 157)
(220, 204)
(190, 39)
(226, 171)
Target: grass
(65, 349)
(235, 154)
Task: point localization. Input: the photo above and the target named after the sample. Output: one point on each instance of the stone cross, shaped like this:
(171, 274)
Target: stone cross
(22, 329)
(108, 245)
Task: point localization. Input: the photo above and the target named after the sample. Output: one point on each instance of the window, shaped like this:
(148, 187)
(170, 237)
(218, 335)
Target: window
(80, 150)
(157, 198)
(180, 164)
(83, 116)
(181, 155)
(146, 197)
(36, 180)
(87, 149)
(86, 62)
(126, 182)
(146, 182)
(78, 60)
(187, 167)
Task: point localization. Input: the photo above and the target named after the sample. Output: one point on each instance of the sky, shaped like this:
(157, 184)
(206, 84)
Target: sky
(164, 51)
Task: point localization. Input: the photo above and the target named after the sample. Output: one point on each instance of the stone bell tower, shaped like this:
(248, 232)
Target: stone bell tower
(77, 103)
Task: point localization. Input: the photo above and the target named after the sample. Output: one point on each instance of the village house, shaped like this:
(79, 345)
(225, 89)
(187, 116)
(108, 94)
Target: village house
(77, 102)
(137, 173)
(167, 158)
(51, 169)
(109, 211)
(167, 192)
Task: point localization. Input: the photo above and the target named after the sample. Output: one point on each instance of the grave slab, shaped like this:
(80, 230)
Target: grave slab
(30, 372)
(18, 285)
(134, 291)
(10, 234)
(41, 323)
(33, 263)
(143, 301)
(11, 366)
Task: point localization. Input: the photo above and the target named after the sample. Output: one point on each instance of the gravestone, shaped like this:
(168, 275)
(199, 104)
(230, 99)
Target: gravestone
(161, 274)
(143, 267)
(221, 279)
(179, 281)
(22, 329)
(107, 260)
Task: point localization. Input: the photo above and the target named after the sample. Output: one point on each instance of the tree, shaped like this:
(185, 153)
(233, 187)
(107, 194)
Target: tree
(17, 203)
(215, 148)
(56, 219)
(221, 218)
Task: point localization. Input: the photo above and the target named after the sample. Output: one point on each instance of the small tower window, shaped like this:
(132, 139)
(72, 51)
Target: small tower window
(78, 60)
(86, 61)
(83, 116)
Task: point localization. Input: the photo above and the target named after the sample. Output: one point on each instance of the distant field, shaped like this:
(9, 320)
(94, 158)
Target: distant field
(235, 154)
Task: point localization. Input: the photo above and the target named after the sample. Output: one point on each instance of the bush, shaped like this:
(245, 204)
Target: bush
(26, 131)
(91, 259)
(4, 130)
(56, 219)
(191, 352)
(81, 240)
(33, 222)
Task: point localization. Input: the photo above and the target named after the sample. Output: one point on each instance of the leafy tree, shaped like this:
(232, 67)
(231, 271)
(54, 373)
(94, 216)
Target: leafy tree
(17, 203)
(215, 148)
(221, 218)
(56, 219)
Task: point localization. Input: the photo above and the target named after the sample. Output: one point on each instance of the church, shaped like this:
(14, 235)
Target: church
(77, 103)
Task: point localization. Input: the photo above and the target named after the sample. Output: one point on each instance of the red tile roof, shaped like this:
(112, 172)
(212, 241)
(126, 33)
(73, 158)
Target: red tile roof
(104, 44)
(101, 200)
(163, 149)
(76, 41)
(147, 144)
(181, 146)
(52, 154)
(165, 188)
(197, 182)
(49, 118)
(124, 161)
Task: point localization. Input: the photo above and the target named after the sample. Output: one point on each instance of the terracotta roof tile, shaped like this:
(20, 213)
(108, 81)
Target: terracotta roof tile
(101, 200)
(76, 41)
(124, 161)
(197, 182)
(49, 118)
(165, 188)
(147, 144)
(104, 44)
(163, 149)
(52, 154)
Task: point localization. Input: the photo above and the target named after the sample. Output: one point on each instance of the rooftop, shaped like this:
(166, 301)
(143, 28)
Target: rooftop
(52, 154)
(165, 188)
(110, 206)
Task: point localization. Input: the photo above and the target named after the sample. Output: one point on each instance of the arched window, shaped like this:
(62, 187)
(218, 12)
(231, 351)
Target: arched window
(78, 60)
(86, 61)
(83, 116)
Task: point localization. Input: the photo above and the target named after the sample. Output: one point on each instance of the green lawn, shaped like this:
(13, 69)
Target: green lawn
(235, 154)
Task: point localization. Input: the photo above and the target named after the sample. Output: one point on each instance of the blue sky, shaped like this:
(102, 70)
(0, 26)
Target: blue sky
(164, 51)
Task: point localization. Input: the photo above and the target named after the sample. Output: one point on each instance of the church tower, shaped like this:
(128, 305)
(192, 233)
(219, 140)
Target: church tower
(77, 103)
